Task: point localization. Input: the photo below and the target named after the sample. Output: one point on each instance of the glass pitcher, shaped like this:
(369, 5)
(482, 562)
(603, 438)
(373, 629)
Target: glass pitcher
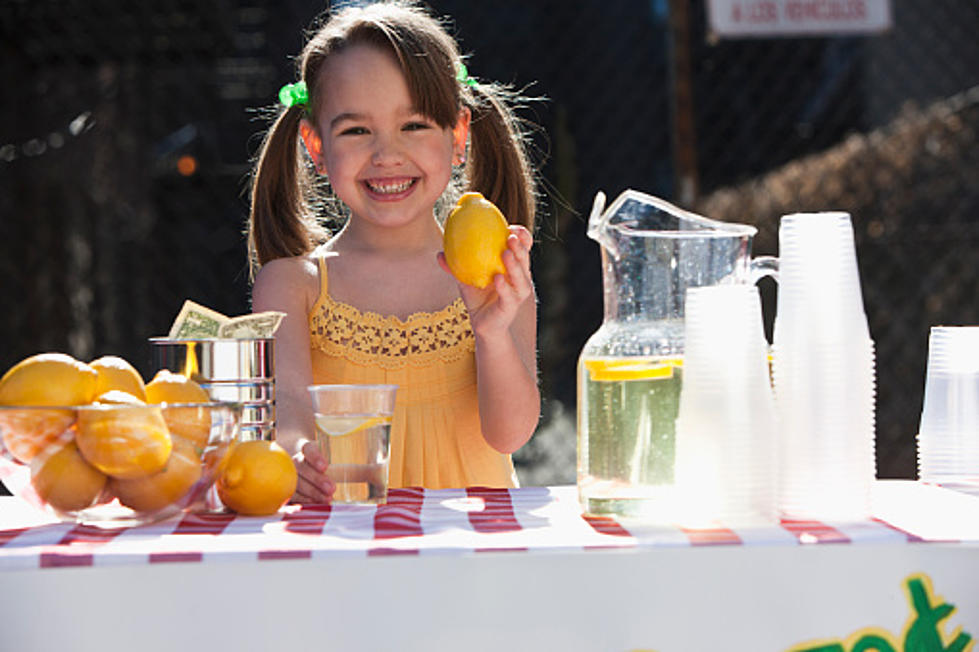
(630, 370)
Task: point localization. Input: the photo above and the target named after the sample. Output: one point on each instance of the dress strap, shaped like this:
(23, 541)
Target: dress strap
(321, 261)
(323, 297)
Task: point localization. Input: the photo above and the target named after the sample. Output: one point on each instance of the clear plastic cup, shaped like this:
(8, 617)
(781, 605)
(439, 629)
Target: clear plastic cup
(818, 276)
(353, 430)
(725, 449)
(823, 372)
(948, 433)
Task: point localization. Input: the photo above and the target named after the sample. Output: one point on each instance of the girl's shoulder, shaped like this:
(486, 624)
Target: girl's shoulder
(296, 277)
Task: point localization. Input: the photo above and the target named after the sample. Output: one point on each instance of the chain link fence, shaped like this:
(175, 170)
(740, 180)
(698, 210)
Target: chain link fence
(128, 129)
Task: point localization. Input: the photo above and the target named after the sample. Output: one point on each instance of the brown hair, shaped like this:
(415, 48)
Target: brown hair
(282, 221)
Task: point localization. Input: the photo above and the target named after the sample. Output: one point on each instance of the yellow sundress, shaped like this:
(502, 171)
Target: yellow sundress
(436, 440)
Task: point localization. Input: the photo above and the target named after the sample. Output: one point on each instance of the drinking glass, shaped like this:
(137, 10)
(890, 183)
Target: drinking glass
(353, 431)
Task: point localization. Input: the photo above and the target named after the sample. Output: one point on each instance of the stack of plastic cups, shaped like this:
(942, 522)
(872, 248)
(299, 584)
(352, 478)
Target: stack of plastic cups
(823, 370)
(725, 428)
(948, 435)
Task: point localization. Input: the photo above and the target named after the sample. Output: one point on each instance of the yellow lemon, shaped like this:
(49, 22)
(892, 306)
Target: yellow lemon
(474, 240)
(191, 423)
(154, 492)
(115, 373)
(124, 440)
(256, 478)
(65, 480)
(27, 432)
(49, 379)
(169, 387)
(45, 379)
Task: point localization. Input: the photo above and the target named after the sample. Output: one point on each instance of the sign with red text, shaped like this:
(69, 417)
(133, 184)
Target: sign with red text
(759, 18)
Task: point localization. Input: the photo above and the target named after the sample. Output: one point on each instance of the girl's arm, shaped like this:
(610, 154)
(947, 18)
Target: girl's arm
(504, 321)
(291, 285)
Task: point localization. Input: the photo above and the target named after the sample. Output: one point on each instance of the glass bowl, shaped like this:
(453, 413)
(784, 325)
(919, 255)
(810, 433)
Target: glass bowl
(116, 464)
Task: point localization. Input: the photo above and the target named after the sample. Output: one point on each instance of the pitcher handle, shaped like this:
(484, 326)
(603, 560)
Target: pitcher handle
(763, 266)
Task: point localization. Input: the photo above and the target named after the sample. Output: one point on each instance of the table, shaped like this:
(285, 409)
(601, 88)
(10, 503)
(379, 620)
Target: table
(483, 569)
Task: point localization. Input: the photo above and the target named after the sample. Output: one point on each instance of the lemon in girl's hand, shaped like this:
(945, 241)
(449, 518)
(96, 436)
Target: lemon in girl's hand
(475, 237)
(256, 478)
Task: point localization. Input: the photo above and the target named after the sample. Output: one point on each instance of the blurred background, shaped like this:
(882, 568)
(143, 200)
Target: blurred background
(127, 131)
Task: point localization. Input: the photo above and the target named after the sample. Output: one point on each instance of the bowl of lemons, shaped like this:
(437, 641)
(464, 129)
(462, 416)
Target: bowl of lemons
(93, 443)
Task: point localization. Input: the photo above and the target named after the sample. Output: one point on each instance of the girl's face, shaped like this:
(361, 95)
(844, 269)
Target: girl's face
(385, 160)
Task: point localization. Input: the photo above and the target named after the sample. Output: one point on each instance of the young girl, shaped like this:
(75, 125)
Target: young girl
(388, 110)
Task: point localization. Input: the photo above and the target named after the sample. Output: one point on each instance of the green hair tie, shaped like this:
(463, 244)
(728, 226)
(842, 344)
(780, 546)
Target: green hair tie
(462, 75)
(294, 94)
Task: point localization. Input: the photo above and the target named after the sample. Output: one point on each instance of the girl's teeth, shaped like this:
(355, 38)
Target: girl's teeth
(389, 188)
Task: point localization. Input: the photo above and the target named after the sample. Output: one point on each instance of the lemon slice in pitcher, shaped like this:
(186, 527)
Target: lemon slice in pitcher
(340, 426)
(617, 369)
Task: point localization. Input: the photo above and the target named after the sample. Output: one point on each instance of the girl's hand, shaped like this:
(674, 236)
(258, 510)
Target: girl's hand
(313, 486)
(493, 308)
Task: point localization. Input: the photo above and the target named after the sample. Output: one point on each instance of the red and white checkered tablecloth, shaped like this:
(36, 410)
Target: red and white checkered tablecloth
(463, 522)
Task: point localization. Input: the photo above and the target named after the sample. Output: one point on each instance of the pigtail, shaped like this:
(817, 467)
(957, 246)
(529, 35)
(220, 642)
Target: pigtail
(280, 224)
(499, 166)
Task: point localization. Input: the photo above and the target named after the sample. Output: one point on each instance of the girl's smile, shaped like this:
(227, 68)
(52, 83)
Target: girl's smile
(392, 189)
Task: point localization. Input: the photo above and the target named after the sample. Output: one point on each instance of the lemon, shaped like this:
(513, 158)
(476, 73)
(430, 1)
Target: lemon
(49, 379)
(191, 423)
(474, 240)
(256, 478)
(45, 379)
(340, 426)
(154, 492)
(115, 373)
(124, 440)
(65, 480)
(605, 369)
(169, 387)
(25, 433)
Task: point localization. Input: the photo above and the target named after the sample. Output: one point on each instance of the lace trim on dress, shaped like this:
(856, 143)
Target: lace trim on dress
(367, 338)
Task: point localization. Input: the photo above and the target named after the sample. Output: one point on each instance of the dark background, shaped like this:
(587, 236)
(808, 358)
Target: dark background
(102, 236)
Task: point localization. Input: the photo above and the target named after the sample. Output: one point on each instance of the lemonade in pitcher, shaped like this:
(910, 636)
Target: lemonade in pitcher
(626, 432)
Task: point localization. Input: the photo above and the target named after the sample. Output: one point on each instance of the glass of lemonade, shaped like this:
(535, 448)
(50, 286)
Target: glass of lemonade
(353, 430)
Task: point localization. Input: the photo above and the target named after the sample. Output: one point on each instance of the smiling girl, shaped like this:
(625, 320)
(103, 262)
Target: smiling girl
(386, 115)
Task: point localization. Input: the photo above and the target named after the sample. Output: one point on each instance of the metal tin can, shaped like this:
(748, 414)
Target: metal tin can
(240, 370)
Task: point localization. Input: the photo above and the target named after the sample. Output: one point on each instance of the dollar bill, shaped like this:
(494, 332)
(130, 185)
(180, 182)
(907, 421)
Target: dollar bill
(196, 322)
(260, 324)
(199, 322)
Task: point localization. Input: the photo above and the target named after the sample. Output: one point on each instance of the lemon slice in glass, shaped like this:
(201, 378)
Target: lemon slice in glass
(339, 426)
